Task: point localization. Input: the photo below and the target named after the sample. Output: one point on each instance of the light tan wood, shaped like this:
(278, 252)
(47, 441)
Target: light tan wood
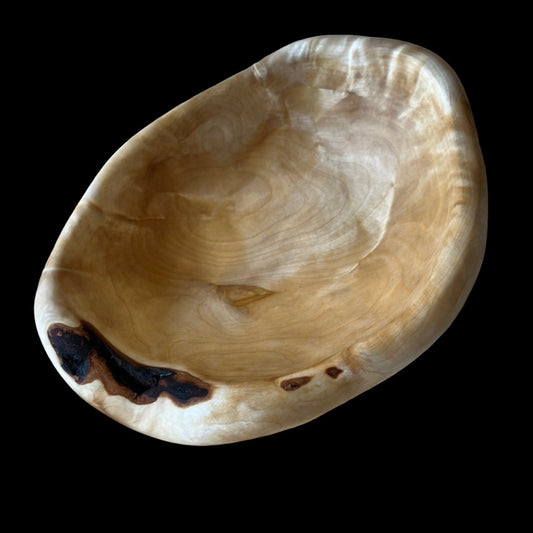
(278, 244)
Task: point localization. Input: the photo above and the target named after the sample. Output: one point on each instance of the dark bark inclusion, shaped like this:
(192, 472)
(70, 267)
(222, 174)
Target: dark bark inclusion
(295, 383)
(333, 372)
(85, 355)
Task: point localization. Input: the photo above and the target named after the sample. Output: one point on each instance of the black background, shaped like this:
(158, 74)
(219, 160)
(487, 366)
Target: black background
(91, 78)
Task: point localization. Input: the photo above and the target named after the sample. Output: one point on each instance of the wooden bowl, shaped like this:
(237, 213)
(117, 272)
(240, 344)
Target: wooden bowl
(272, 247)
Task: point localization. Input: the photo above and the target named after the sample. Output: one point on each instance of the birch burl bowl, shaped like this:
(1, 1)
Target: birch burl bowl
(272, 247)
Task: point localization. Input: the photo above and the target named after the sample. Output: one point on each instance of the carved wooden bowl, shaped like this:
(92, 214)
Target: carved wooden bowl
(272, 247)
